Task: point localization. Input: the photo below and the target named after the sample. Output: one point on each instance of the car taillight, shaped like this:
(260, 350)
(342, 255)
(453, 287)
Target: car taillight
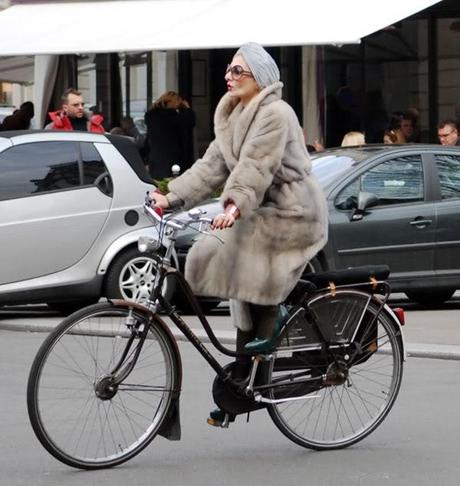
(400, 315)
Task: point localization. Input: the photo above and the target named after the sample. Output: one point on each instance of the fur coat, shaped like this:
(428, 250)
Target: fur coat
(260, 159)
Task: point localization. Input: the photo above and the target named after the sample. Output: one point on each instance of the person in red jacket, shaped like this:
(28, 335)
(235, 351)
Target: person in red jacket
(72, 115)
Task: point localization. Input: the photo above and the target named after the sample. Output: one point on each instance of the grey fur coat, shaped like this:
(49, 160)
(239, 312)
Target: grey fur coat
(260, 159)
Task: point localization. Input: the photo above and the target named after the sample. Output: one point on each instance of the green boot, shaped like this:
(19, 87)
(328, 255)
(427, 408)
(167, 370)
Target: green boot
(259, 345)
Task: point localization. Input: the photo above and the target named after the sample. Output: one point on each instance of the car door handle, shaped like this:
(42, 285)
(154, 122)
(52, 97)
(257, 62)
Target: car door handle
(421, 222)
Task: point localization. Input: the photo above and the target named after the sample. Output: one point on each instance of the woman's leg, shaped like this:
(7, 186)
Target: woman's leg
(242, 364)
(264, 319)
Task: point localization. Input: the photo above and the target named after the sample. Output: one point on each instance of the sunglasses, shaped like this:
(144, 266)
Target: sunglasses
(237, 72)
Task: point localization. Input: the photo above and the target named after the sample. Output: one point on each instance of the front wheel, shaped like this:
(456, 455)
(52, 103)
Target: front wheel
(353, 382)
(78, 412)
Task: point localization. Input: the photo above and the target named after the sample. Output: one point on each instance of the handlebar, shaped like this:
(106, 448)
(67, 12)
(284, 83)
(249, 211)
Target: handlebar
(157, 216)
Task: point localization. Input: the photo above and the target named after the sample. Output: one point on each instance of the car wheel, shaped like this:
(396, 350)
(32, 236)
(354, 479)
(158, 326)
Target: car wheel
(131, 277)
(430, 297)
(68, 307)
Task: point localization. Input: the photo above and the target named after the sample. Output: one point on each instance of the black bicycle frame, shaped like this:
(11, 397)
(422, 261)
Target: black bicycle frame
(185, 328)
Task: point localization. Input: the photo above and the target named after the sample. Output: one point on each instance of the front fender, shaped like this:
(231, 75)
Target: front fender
(124, 241)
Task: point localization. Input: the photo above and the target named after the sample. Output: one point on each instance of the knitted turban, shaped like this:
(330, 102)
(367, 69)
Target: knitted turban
(262, 65)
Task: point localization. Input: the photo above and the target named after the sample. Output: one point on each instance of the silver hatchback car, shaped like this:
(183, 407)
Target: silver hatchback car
(70, 217)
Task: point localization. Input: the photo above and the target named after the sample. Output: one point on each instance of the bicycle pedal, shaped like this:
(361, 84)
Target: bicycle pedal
(220, 422)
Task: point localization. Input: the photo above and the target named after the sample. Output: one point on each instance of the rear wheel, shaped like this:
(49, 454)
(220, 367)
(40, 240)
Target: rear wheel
(353, 384)
(78, 412)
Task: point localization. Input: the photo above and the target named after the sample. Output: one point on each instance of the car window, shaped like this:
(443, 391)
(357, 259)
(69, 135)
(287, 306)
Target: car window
(94, 169)
(93, 165)
(35, 168)
(449, 175)
(394, 181)
(328, 169)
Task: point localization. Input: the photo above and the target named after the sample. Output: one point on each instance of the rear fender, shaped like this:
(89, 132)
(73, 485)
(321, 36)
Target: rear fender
(393, 316)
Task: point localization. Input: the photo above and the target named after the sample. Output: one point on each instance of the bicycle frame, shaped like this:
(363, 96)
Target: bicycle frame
(184, 327)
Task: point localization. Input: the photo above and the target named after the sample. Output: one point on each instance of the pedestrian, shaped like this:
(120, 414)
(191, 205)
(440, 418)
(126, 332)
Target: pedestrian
(407, 128)
(274, 211)
(20, 119)
(448, 133)
(170, 122)
(352, 139)
(72, 115)
(393, 135)
(127, 128)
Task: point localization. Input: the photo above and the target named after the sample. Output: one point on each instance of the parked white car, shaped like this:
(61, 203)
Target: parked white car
(70, 217)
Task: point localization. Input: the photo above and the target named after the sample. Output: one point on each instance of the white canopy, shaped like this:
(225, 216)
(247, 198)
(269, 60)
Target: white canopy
(18, 69)
(144, 25)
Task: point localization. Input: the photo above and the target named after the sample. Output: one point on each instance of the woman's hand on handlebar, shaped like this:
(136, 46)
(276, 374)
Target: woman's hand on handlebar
(222, 221)
(159, 200)
(227, 218)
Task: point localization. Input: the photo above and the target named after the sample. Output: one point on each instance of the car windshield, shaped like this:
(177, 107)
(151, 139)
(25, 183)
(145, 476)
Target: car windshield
(329, 166)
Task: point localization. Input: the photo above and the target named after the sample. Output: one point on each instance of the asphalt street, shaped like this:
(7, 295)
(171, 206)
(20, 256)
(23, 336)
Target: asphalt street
(417, 443)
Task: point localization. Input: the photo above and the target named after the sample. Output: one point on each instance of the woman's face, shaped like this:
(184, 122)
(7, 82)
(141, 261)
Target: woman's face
(240, 81)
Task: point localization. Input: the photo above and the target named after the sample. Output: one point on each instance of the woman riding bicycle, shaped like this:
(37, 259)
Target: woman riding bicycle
(275, 213)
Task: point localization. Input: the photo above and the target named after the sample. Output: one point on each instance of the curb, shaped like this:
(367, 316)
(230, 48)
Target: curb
(413, 350)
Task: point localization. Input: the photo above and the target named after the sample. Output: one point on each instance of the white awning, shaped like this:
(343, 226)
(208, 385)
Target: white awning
(17, 69)
(144, 25)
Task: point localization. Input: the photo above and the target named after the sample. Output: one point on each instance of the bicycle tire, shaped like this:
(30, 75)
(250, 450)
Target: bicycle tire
(69, 409)
(334, 416)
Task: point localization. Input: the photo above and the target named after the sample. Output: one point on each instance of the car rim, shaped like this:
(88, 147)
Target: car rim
(136, 279)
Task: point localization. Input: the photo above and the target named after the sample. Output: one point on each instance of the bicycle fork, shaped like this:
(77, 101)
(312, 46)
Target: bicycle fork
(107, 386)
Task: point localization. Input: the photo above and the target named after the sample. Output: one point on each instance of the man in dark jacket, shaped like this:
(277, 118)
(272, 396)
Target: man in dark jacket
(20, 119)
(72, 115)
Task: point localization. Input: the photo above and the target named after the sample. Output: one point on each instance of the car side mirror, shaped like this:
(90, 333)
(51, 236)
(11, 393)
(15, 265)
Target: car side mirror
(365, 200)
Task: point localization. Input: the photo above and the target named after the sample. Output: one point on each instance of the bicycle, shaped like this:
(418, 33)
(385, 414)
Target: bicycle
(107, 380)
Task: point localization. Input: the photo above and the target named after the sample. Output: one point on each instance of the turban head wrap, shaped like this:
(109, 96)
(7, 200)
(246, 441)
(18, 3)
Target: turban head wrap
(261, 64)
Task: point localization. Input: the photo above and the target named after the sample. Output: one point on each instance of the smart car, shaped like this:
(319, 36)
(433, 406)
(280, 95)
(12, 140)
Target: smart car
(70, 217)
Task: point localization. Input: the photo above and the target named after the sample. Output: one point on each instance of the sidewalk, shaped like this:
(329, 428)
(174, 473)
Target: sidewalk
(428, 333)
